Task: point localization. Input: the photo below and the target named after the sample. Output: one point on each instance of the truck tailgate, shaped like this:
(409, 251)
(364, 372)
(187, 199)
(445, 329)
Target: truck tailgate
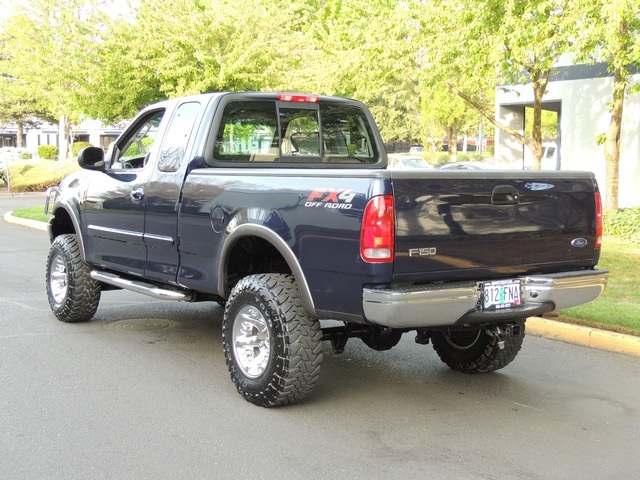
(475, 225)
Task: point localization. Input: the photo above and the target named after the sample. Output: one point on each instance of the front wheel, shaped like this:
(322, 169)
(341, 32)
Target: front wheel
(73, 295)
(272, 348)
(479, 351)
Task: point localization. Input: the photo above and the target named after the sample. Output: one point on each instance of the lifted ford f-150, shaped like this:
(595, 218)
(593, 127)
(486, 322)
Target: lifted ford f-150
(279, 206)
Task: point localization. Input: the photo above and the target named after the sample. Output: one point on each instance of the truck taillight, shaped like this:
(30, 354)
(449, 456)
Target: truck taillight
(599, 227)
(378, 230)
(288, 97)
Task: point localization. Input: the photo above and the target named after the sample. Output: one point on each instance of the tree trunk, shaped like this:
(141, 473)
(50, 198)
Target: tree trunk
(540, 81)
(539, 87)
(19, 134)
(64, 137)
(612, 142)
(452, 134)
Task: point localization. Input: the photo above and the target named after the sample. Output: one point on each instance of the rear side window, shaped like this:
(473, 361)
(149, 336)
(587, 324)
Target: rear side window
(268, 131)
(248, 133)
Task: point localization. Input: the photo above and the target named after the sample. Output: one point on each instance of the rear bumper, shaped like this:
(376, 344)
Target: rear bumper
(457, 304)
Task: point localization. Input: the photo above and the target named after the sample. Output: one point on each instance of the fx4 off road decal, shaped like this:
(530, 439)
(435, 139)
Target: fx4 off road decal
(331, 198)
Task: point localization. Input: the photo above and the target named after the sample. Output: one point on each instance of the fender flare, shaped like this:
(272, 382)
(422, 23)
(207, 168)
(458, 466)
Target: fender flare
(256, 230)
(73, 215)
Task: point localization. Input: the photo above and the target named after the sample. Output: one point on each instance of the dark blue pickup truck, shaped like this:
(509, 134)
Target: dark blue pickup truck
(279, 206)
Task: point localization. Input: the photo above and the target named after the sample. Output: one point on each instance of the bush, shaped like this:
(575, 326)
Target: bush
(25, 155)
(78, 146)
(48, 152)
(623, 224)
(37, 176)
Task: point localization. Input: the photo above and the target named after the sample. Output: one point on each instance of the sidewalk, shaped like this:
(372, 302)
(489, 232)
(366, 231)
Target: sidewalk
(541, 327)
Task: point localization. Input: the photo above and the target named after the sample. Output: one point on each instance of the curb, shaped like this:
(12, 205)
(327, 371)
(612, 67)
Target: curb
(539, 327)
(25, 222)
(585, 336)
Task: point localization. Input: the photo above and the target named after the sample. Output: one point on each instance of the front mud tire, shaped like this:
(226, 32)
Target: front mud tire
(73, 295)
(272, 348)
(478, 351)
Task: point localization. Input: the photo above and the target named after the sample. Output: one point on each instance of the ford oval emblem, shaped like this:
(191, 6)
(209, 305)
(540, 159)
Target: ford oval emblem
(579, 242)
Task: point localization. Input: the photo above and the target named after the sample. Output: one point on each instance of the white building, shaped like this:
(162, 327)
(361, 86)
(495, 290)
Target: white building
(581, 95)
(91, 131)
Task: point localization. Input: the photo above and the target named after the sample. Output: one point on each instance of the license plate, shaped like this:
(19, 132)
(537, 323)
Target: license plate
(501, 294)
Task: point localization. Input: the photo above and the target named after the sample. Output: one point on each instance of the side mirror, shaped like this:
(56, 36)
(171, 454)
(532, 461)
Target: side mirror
(92, 158)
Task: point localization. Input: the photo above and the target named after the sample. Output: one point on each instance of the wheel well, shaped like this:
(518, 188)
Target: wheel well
(251, 255)
(61, 223)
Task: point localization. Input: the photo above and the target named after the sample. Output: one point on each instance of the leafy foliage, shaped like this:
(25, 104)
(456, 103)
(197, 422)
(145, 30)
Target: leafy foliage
(410, 61)
(613, 37)
(78, 146)
(48, 152)
(37, 176)
(624, 224)
(493, 43)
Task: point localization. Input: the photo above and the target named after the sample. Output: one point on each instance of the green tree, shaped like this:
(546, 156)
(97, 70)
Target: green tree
(363, 49)
(17, 105)
(16, 108)
(449, 112)
(613, 36)
(495, 42)
(51, 51)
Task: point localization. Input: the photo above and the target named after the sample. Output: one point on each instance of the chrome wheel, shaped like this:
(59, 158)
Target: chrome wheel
(72, 294)
(251, 341)
(58, 279)
(272, 348)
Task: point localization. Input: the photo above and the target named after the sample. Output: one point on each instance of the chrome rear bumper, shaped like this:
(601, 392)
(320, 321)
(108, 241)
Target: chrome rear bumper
(458, 303)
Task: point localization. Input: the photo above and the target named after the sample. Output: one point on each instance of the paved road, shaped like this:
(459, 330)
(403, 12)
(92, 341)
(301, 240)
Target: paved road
(142, 391)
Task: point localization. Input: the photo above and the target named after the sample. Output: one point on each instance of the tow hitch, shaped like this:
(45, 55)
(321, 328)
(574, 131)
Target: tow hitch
(500, 332)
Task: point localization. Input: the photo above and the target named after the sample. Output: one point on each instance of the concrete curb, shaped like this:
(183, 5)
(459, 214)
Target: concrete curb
(25, 222)
(586, 336)
(566, 332)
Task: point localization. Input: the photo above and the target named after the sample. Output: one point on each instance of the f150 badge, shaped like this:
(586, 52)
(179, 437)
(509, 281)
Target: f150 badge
(422, 252)
(331, 198)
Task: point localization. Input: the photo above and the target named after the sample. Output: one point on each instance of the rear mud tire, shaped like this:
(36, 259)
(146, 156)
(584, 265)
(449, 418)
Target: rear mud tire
(476, 351)
(272, 348)
(73, 295)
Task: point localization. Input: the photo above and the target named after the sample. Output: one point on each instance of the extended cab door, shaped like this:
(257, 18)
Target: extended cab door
(115, 200)
(164, 190)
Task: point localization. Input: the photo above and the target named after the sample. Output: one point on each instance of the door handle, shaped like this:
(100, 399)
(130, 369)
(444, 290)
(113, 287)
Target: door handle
(137, 194)
(505, 195)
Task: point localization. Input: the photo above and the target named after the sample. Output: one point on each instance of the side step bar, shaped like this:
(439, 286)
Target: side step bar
(142, 287)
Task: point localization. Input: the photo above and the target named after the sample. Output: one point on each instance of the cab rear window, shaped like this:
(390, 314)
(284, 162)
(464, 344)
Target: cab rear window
(288, 132)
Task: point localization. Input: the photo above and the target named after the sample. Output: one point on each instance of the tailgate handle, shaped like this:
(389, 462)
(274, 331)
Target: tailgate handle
(505, 195)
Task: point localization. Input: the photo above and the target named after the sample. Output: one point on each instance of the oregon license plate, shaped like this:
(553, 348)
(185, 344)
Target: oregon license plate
(501, 294)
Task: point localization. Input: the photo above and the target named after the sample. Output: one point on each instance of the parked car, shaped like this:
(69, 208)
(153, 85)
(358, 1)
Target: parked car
(404, 162)
(465, 166)
(549, 160)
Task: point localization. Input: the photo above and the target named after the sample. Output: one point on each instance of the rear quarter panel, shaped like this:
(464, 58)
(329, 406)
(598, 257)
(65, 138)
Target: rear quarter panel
(317, 213)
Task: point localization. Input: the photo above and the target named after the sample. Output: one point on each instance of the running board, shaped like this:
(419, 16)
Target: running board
(141, 287)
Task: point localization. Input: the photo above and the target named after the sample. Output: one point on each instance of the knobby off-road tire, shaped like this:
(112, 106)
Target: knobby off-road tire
(272, 348)
(476, 351)
(73, 295)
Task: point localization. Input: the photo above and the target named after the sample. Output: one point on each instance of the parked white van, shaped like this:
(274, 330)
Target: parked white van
(550, 160)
